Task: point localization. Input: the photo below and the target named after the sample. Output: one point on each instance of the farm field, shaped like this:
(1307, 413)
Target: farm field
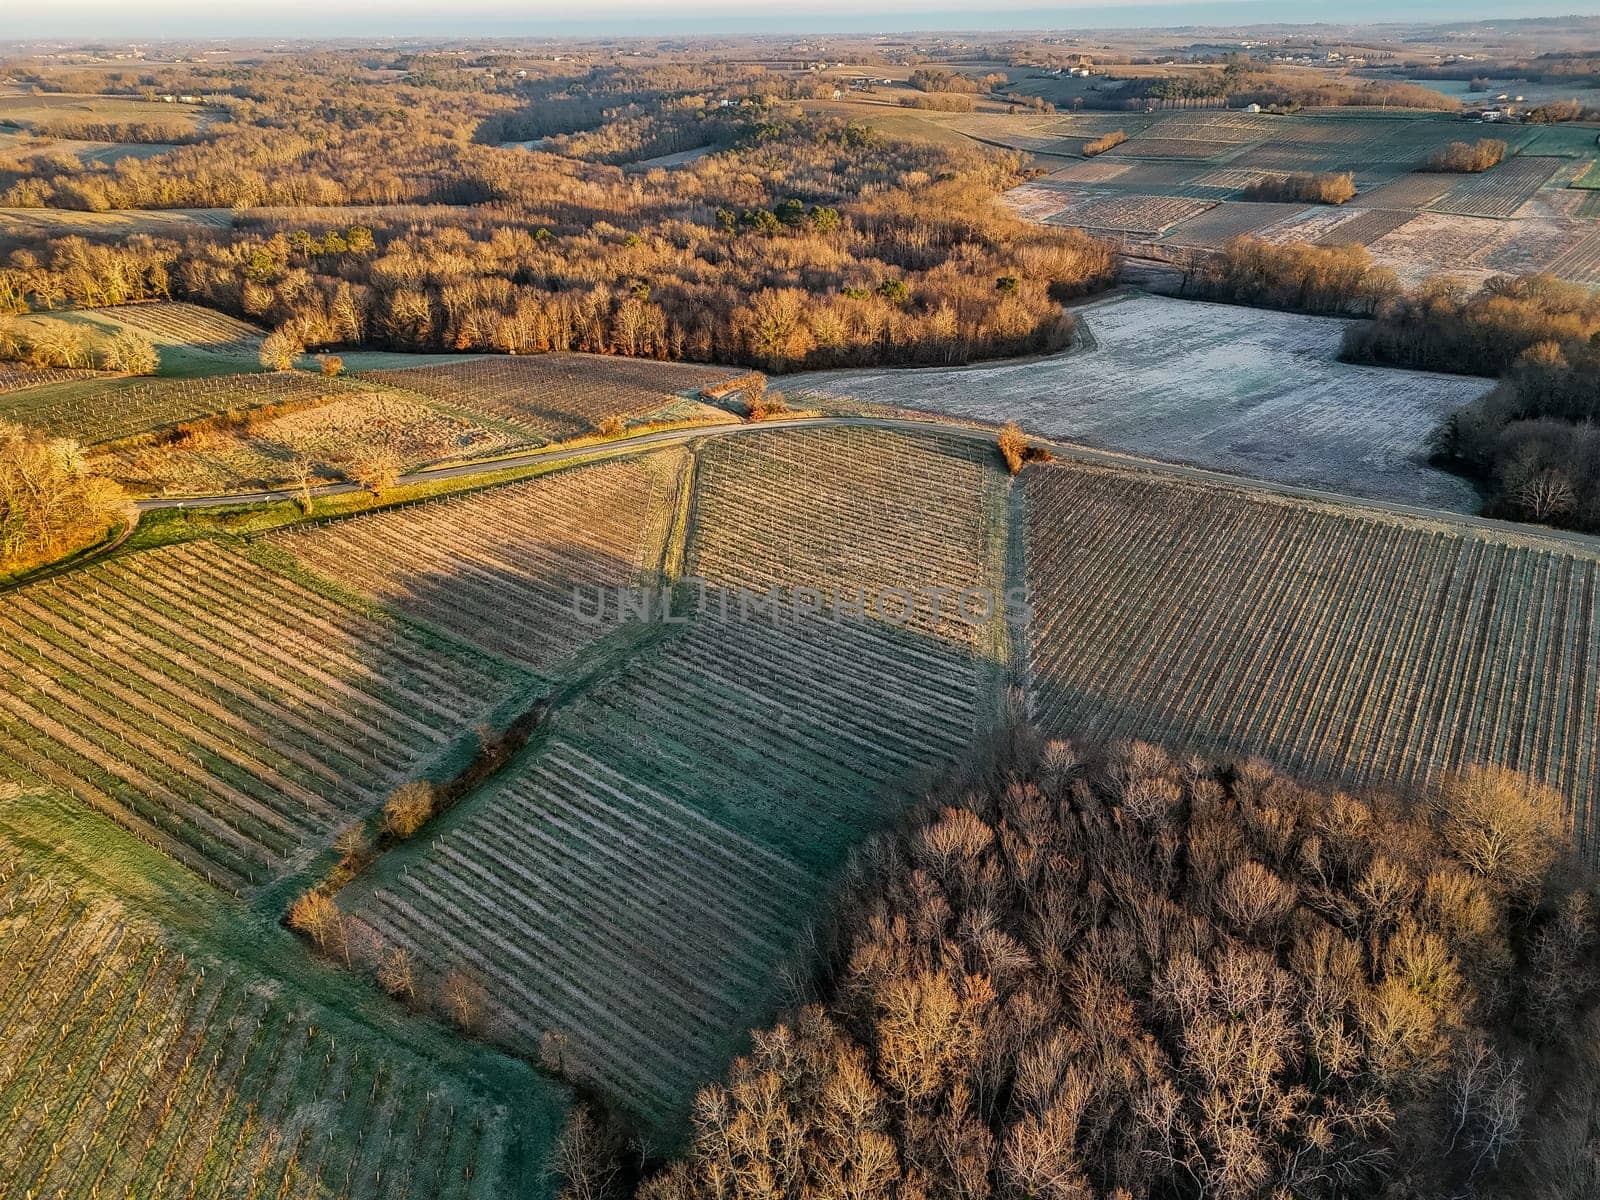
(638, 883)
(130, 1068)
(232, 715)
(700, 800)
(557, 396)
(335, 436)
(498, 567)
(1235, 389)
(1499, 191)
(847, 520)
(192, 341)
(27, 225)
(1336, 641)
(14, 377)
(99, 410)
(1477, 225)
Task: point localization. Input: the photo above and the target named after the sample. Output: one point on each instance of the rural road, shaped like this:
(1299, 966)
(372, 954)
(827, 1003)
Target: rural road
(1061, 449)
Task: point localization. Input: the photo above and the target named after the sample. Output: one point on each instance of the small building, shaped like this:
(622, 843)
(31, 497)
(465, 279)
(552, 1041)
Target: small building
(1491, 114)
(1252, 108)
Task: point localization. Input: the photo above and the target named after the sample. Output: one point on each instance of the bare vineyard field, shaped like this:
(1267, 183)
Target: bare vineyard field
(498, 567)
(1580, 263)
(856, 510)
(232, 716)
(557, 396)
(15, 377)
(334, 435)
(1410, 192)
(178, 324)
(1235, 389)
(640, 882)
(1229, 220)
(127, 1069)
(1364, 228)
(29, 224)
(1499, 191)
(99, 410)
(1434, 242)
(640, 879)
(1151, 146)
(1130, 212)
(1332, 641)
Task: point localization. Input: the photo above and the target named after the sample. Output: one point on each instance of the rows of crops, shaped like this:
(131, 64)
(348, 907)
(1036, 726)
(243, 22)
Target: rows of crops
(1581, 263)
(1410, 192)
(96, 411)
(556, 396)
(1231, 219)
(1499, 191)
(1328, 641)
(499, 567)
(181, 324)
(14, 376)
(639, 884)
(1131, 212)
(230, 715)
(837, 509)
(127, 1070)
(1364, 228)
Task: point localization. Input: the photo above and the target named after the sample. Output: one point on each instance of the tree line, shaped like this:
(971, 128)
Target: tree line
(1531, 442)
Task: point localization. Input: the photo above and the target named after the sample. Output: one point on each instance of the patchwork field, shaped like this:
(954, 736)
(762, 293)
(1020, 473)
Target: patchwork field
(557, 396)
(231, 715)
(129, 1069)
(1132, 191)
(639, 880)
(498, 567)
(1236, 389)
(1334, 641)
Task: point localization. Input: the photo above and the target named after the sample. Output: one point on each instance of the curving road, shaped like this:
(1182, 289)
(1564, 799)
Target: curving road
(1062, 450)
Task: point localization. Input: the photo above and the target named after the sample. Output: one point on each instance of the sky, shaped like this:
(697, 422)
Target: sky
(105, 19)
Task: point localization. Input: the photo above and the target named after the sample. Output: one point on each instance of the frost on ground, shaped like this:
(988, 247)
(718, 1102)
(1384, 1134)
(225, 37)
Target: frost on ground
(1234, 389)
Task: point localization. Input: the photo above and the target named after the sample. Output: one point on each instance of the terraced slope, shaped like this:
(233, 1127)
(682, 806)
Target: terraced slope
(232, 715)
(1332, 641)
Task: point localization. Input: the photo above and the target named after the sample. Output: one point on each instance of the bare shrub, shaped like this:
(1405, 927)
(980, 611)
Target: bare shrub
(408, 808)
(463, 999)
(1326, 187)
(1104, 142)
(1468, 157)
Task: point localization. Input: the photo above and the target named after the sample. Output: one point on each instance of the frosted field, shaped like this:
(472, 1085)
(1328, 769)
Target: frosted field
(1234, 389)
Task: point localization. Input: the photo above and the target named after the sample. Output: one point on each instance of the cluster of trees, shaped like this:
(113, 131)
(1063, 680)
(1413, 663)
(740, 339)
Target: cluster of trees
(1242, 81)
(1532, 442)
(1339, 280)
(1320, 187)
(1468, 157)
(1123, 975)
(46, 344)
(1104, 142)
(858, 249)
(50, 503)
(934, 79)
(939, 102)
